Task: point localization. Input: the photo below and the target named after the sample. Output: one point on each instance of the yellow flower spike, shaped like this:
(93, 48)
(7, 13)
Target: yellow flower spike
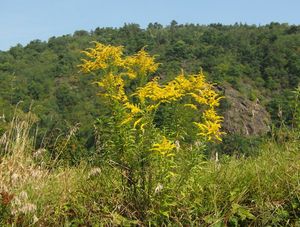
(211, 127)
(114, 87)
(137, 122)
(164, 148)
(212, 115)
(143, 127)
(140, 63)
(99, 83)
(151, 90)
(152, 107)
(101, 57)
(126, 120)
(134, 109)
(191, 106)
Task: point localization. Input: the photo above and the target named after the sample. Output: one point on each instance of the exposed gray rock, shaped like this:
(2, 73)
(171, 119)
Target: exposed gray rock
(242, 116)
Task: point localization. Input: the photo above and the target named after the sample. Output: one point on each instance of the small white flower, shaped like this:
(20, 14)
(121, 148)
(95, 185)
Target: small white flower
(35, 219)
(94, 172)
(177, 144)
(14, 178)
(158, 188)
(39, 152)
(23, 195)
(28, 208)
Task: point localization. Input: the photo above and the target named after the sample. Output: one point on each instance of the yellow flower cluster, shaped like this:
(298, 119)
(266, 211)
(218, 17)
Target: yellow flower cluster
(194, 85)
(211, 126)
(147, 98)
(101, 57)
(134, 109)
(114, 87)
(139, 63)
(164, 148)
(110, 59)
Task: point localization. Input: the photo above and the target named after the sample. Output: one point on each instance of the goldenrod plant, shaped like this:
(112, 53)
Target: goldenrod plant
(134, 94)
(116, 71)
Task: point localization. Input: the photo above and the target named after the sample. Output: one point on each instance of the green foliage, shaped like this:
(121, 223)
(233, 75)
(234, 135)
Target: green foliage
(284, 108)
(267, 57)
(296, 107)
(239, 145)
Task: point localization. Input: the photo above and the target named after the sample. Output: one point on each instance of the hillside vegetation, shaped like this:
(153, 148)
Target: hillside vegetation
(261, 63)
(175, 125)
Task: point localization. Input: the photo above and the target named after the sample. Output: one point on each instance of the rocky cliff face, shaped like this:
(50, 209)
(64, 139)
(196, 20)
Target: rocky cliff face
(242, 116)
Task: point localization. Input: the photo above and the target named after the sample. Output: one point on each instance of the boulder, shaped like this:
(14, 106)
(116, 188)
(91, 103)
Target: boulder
(243, 116)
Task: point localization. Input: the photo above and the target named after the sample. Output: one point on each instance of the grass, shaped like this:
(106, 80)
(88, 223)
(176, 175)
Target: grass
(261, 190)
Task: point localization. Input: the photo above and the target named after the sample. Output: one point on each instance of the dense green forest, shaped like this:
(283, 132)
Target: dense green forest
(65, 155)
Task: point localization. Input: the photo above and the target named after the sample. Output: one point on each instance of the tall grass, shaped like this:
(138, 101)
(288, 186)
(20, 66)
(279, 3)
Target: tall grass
(261, 190)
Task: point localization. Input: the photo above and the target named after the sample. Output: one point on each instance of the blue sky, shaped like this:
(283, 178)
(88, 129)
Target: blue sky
(24, 20)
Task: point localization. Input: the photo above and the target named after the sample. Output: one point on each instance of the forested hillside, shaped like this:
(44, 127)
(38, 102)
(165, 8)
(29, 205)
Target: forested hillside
(182, 125)
(254, 64)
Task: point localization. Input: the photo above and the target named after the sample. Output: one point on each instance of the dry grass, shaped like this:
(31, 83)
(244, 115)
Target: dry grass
(28, 188)
(260, 190)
